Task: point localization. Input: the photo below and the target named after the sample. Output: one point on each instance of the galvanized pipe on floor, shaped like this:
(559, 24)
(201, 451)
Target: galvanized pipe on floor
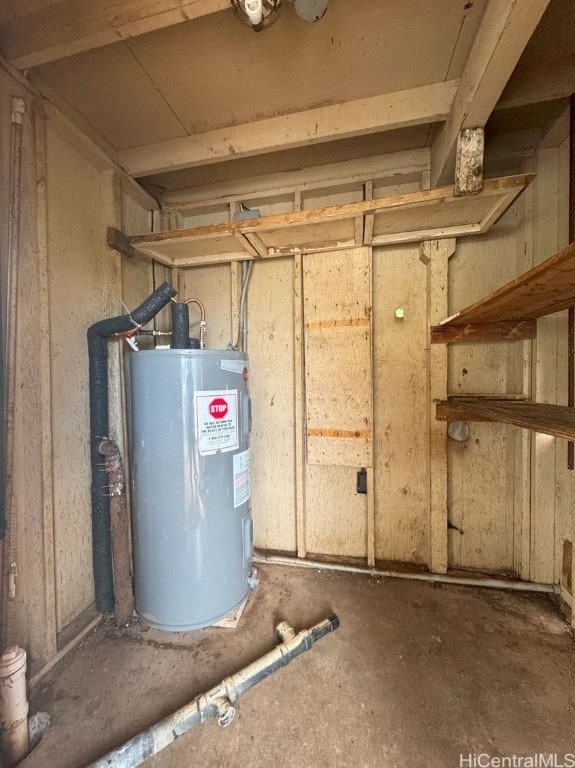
(219, 701)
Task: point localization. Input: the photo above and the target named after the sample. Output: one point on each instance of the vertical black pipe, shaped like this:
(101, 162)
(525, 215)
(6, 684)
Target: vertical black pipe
(180, 326)
(99, 428)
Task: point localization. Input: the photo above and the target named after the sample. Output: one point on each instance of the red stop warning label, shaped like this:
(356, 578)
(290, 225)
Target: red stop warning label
(218, 408)
(217, 423)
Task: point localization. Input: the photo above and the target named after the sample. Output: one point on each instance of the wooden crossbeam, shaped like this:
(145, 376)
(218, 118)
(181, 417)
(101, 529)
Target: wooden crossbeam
(449, 334)
(554, 420)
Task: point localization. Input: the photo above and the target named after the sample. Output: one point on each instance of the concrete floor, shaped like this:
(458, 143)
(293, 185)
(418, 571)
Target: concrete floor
(415, 676)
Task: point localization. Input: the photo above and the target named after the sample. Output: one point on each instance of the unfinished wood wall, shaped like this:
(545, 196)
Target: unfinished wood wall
(551, 482)
(67, 279)
(508, 497)
(509, 494)
(400, 405)
(486, 471)
(29, 613)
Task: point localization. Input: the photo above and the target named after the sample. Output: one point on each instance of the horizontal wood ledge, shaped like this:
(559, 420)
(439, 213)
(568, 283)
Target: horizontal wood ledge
(554, 420)
(469, 332)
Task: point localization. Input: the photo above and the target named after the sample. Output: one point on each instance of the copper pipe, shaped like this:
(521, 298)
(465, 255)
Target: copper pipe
(202, 309)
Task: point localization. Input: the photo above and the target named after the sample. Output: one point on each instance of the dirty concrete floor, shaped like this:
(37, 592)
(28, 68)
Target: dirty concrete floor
(415, 676)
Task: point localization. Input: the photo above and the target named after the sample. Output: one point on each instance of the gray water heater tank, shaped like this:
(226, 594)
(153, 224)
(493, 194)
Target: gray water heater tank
(190, 480)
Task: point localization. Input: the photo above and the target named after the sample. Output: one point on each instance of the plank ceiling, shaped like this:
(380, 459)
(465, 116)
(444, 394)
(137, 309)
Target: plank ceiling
(173, 78)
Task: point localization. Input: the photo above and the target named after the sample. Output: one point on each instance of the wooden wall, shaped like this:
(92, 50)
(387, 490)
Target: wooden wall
(509, 495)
(67, 279)
(553, 521)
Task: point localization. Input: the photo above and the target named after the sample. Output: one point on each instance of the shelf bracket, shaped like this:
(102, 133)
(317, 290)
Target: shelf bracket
(120, 242)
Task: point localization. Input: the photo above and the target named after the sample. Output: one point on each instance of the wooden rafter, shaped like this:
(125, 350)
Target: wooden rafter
(415, 106)
(501, 38)
(74, 26)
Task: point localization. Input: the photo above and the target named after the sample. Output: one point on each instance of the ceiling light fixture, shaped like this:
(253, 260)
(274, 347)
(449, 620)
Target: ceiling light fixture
(310, 10)
(257, 14)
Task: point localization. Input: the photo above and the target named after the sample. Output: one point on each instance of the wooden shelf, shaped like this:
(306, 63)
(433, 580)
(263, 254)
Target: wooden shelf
(555, 420)
(417, 216)
(549, 287)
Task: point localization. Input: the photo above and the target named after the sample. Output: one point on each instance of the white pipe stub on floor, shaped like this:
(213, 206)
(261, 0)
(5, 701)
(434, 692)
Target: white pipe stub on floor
(13, 706)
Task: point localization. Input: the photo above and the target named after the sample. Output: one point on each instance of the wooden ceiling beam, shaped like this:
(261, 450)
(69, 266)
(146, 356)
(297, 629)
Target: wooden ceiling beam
(408, 165)
(75, 26)
(501, 38)
(415, 106)
(535, 84)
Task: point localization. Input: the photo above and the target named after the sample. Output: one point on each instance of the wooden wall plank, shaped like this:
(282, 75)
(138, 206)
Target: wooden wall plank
(338, 394)
(337, 309)
(565, 486)
(271, 354)
(544, 374)
(299, 405)
(336, 516)
(400, 405)
(438, 254)
(24, 609)
(338, 399)
(29, 618)
(481, 487)
(81, 292)
(41, 166)
(212, 285)
(524, 438)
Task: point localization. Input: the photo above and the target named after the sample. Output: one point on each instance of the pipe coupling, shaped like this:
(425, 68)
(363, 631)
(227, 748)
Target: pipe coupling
(285, 632)
(226, 712)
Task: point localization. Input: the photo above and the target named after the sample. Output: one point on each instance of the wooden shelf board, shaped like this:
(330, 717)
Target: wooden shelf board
(555, 420)
(549, 287)
(411, 217)
(458, 333)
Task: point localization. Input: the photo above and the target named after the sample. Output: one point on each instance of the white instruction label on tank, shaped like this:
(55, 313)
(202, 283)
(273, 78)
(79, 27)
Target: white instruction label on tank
(237, 366)
(241, 478)
(216, 421)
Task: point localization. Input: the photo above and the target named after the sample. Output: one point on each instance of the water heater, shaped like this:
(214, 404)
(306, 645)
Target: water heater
(190, 481)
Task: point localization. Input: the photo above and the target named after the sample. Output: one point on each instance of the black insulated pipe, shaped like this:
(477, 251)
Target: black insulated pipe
(99, 428)
(180, 326)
